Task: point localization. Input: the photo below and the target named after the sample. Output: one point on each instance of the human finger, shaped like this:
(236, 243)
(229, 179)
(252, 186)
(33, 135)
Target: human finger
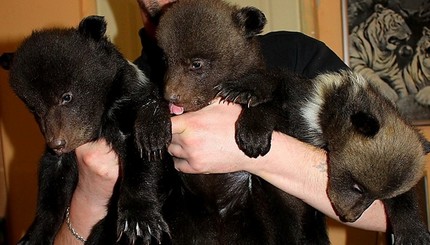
(176, 150)
(178, 124)
(98, 158)
(183, 166)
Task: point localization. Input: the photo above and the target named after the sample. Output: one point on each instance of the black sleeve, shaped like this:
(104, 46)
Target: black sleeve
(151, 60)
(299, 53)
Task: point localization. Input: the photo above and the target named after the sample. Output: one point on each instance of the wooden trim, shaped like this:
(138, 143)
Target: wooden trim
(308, 18)
(3, 181)
(329, 14)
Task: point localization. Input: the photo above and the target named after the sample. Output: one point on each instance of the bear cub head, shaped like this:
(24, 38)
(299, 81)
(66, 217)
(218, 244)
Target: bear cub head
(373, 153)
(195, 66)
(67, 78)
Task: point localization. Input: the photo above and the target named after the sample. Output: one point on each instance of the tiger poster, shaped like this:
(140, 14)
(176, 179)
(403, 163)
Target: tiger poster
(389, 43)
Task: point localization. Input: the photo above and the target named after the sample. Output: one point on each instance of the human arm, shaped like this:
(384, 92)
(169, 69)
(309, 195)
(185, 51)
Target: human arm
(98, 168)
(203, 142)
(98, 172)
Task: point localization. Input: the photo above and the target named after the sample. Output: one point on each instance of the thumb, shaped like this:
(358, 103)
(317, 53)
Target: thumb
(178, 124)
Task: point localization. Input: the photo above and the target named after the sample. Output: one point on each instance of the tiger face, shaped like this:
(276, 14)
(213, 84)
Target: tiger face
(423, 49)
(390, 28)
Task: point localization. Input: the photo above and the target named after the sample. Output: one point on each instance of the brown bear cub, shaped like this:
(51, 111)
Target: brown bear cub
(211, 50)
(80, 89)
(206, 43)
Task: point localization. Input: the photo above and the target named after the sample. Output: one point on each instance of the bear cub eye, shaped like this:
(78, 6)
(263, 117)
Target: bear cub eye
(357, 188)
(196, 64)
(66, 98)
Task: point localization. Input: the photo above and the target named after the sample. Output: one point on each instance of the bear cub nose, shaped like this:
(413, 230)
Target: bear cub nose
(57, 145)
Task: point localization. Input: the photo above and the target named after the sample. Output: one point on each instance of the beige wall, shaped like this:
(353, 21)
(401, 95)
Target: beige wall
(124, 22)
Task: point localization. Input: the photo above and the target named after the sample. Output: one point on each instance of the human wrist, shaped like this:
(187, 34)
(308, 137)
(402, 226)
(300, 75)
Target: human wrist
(301, 170)
(72, 229)
(98, 172)
(297, 168)
(85, 212)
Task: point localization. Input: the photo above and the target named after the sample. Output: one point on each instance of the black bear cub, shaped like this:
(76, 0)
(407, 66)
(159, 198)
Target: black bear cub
(211, 50)
(80, 89)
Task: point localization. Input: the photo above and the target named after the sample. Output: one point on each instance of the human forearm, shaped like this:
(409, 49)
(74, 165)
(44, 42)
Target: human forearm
(98, 171)
(202, 143)
(303, 174)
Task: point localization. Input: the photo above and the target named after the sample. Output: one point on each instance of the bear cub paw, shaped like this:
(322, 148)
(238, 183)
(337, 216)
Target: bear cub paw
(139, 227)
(254, 129)
(153, 133)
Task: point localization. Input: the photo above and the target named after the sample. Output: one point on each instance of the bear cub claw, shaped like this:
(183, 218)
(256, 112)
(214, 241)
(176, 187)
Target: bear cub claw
(247, 90)
(233, 92)
(136, 225)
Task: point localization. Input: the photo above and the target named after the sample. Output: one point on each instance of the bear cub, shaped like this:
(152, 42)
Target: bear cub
(80, 89)
(205, 43)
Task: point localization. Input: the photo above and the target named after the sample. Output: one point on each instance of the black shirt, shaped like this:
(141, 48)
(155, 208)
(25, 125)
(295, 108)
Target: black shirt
(299, 53)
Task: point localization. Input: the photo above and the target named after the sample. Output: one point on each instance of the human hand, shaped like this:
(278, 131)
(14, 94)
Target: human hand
(98, 171)
(203, 141)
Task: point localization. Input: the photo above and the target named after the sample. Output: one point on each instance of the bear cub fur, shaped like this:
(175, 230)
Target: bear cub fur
(81, 89)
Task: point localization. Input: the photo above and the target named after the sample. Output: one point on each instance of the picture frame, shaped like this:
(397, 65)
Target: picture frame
(388, 41)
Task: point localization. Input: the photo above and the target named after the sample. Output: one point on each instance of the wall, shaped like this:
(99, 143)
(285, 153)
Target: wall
(22, 144)
(124, 22)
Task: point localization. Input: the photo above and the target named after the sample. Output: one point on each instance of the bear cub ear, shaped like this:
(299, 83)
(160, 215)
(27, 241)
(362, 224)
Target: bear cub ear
(425, 143)
(365, 124)
(251, 20)
(93, 26)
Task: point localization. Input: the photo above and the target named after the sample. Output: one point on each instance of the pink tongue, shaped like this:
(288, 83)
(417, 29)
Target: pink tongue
(174, 109)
